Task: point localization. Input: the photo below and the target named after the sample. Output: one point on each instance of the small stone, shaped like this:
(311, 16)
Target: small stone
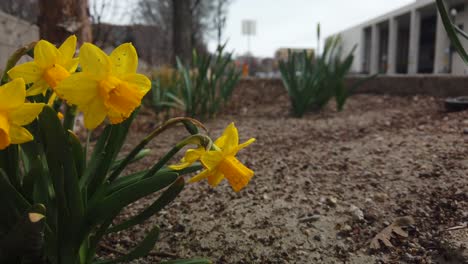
(380, 197)
(465, 131)
(318, 237)
(331, 201)
(356, 213)
(347, 228)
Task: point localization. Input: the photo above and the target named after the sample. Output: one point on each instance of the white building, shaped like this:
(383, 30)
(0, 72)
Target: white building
(409, 40)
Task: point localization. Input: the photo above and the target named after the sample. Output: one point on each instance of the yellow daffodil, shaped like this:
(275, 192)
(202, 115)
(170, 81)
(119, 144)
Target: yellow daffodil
(50, 66)
(108, 86)
(221, 162)
(15, 113)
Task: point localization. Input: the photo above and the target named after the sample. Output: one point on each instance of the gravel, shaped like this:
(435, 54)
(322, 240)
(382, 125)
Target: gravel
(325, 185)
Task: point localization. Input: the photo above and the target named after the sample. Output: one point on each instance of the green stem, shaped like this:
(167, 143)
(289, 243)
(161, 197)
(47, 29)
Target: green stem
(69, 119)
(170, 123)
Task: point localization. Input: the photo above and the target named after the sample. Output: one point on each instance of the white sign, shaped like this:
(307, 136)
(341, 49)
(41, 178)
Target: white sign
(249, 27)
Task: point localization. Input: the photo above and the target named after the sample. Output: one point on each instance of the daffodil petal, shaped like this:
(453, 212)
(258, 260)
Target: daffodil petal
(45, 54)
(138, 80)
(29, 71)
(124, 59)
(211, 159)
(19, 135)
(71, 65)
(94, 114)
(5, 140)
(38, 87)
(200, 176)
(231, 138)
(193, 155)
(180, 166)
(12, 94)
(93, 60)
(220, 142)
(78, 89)
(68, 48)
(245, 144)
(26, 113)
(215, 178)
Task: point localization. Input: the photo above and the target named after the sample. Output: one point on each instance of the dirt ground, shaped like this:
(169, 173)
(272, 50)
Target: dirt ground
(324, 185)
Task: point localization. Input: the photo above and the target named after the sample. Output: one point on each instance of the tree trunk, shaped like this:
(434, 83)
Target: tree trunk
(182, 26)
(59, 19)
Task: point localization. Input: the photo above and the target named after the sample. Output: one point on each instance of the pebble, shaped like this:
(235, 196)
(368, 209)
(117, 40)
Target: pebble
(356, 213)
(318, 237)
(380, 197)
(465, 131)
(332, 201)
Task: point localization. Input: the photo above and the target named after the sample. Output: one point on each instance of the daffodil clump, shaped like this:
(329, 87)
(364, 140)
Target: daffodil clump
(59, 202)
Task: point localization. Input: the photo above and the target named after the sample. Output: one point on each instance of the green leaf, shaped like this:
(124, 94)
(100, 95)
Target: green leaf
(449, 27)
(113, 145)
(112, 204)
(140, 251)
(168, 124)
(166, 197)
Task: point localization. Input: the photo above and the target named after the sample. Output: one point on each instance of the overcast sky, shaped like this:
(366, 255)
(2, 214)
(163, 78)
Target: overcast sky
(292, 23)
(284, 23)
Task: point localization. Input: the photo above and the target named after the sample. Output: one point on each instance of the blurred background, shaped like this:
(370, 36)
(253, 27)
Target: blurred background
(259, 32)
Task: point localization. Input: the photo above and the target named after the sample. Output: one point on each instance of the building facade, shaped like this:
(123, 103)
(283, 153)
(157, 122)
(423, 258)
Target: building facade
(15, 34)
(409, 40)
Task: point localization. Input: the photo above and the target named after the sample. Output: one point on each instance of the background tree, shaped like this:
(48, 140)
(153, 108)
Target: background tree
(220, 17)
(60, 18)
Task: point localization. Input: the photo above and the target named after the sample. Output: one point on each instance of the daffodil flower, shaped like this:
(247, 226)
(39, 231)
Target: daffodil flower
(50, 66)
(221, 162)
(108, 86)
(15, 113)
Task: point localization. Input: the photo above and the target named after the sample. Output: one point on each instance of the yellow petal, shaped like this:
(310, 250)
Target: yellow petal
(29, 71)
(124, 59)
(139, 81)
(193, 155)
(200, 176)
(231, 138)
(78, 89)
(5, 140)
(71, 65)
(38, 87)
(45, 54)
(94, 61)
(235, 172)
(245, 144)
(20, 135)
(215, 178)
(180, 166)
(68, 48)
(25, 114)
(220, 142)
(211, 159)
(190, 157)
(94, 113)
(12, 94)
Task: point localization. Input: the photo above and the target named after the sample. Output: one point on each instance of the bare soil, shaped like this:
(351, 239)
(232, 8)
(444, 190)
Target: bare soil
(324, 185)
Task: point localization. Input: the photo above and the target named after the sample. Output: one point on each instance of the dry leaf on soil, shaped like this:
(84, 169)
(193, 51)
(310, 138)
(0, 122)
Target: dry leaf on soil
(387, 233)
